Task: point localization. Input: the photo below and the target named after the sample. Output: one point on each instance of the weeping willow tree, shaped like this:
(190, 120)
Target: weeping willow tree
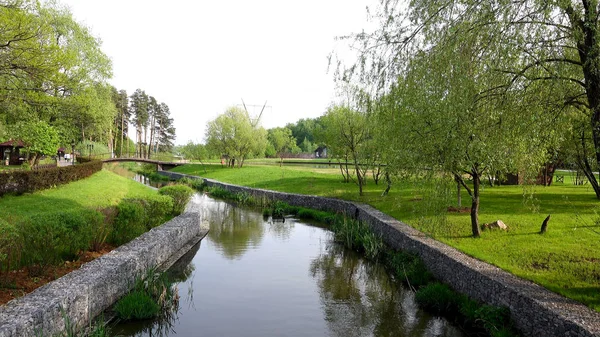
(552, 46)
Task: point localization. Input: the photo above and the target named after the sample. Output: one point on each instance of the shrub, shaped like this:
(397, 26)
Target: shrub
(437, 298)
(104, 229)
(54, 237)
(11, 245)
(136, 216)
(157, 208)
(137, 305)
(181, 194)
(129, 223)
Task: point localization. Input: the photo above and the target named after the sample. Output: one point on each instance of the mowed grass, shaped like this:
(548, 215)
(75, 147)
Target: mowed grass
(98, 191)
(566, 259)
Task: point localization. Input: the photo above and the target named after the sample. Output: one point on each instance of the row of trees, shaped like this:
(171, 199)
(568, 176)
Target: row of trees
(151, 119)
(53, 85)
(471, 89)
(235, 135)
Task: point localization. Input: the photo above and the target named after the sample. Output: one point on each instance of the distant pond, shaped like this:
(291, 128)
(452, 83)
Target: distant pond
(254, 277)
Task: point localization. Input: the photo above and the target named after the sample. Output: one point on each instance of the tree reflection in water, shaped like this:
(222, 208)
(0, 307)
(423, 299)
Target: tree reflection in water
(232, 229)
(281, 228)
(360, 299)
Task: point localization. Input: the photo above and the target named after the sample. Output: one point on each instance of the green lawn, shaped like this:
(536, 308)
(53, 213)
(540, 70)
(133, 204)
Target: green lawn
(565, 260)
(98, 191)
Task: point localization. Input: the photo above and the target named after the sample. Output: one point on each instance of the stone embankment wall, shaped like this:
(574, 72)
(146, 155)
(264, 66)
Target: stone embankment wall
(85, 293)
(535, 310)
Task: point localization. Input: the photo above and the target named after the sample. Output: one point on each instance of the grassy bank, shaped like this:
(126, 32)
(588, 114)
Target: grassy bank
(101, 190)
(565, 260)
(46, 234)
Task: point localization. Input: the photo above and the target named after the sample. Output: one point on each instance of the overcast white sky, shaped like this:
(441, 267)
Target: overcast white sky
(200, 57)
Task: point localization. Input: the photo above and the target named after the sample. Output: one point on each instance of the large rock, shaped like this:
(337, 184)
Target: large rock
(496, 224)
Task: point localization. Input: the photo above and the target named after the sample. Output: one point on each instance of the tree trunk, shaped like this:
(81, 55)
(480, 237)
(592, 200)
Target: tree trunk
(545, 225)
(475, 205)
(359, 176)
(587, 46)
(585, 166)
(122, 131)
(344, 175)
(458, 196)
(389, 184)
(151, 136)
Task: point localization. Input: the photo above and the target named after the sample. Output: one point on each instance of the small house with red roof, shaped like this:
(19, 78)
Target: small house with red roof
(10, 152)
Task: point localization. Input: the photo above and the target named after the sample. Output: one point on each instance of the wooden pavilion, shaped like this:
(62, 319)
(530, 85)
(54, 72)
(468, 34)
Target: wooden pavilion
(10, 151)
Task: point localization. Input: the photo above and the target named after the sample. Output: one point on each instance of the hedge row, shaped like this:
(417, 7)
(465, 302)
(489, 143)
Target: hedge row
(48, 239)
(21, 181)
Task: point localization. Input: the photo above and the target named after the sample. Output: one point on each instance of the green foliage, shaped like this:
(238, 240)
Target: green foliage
(54, 237)
(357, 236)
(408, 268)
(137, 305)
(242, 198)
(305, 129)
(193, 151)
(180, 194)
(197, 184)
(11, 246)
(277, 209)
(235, 135)
(52, 72)
(103, 228)
(282, 141)
(130, 221)
(135, 216)
(347, 134)
(95, 150)
(437, 298)
(38, 137)
(270, 151)
(158, 209)
(153, 295)
(18, 181)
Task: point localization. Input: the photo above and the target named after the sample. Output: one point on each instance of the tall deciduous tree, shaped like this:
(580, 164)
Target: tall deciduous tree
(232, 134)
(282, 141)
(194, 151)
(346, 133)
(441, 122)
(550, 44)
(38, 137)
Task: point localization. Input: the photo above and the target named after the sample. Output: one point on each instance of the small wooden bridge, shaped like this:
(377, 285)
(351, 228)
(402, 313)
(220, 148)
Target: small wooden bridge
(160, 165)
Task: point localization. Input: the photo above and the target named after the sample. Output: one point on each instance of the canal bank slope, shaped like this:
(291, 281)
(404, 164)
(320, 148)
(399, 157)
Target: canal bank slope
(535, 310)
(85, 293)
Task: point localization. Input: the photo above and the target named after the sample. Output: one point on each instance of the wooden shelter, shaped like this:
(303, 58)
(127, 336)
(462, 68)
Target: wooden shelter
(10, 151)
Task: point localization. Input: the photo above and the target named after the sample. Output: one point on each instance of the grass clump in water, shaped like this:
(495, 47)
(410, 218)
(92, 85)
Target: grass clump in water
(137, 305)
(358, 236)
(152, 296)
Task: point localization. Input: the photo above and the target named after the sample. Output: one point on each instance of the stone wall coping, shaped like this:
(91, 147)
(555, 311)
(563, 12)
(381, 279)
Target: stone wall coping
(86, 292)
(535, 310)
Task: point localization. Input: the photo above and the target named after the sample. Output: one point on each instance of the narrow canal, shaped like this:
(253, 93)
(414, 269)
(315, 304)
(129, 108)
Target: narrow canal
(254, 277)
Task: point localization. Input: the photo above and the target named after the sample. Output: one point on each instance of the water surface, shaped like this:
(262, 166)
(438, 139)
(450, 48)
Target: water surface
(255, 277)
